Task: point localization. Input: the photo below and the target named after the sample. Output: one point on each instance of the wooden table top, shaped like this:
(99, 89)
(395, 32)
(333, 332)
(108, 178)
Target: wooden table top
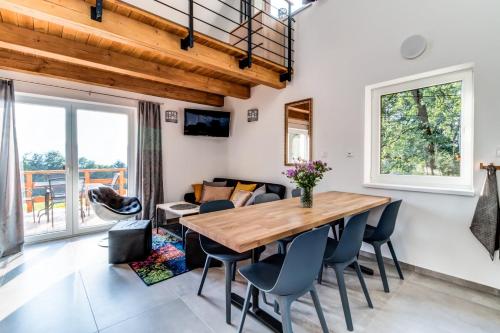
(246, 228)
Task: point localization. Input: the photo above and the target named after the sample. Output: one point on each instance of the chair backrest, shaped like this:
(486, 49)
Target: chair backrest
(302, 262)
(209, 207)
(296, 192)
(266, 197)
(109, 205)
(216, 205)
(351, 239)
(114, 180)
(387, 222)
(57, 185)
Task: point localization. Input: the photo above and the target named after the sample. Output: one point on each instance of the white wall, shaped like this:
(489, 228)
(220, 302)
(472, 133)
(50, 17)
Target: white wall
(187, 159)
(342, 46)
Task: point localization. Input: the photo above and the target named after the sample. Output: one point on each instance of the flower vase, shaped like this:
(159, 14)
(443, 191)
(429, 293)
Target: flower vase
(306, 197)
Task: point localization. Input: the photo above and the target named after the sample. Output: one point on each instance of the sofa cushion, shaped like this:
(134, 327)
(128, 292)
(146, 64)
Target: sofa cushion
(240, 197)
(198, 190)
(270, 187)
(215, 184)
(212, 193)
(258, 191)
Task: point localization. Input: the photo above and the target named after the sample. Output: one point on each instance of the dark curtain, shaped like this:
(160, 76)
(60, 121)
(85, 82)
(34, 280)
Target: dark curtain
(149, 177)
(11, 201)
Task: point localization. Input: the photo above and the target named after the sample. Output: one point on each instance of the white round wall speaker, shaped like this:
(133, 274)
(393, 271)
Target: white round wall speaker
(413, 47)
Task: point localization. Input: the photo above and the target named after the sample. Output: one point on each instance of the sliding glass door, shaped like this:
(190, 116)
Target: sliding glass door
(103, 158)
(43, 153)
(67, 148)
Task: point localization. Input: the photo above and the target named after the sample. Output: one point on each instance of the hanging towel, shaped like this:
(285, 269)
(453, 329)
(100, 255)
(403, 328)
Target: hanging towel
(486, 221)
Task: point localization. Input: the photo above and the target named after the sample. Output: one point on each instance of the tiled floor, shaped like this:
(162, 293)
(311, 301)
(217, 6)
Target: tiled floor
(67, 286)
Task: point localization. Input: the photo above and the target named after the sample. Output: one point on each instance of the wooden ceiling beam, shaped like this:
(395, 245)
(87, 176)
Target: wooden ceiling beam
(41, 44)
(74, 14)
(28, 63)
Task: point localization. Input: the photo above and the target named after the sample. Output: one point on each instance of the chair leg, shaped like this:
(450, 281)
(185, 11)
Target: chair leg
(320, 275)
(33, 210)
(246, 305)
(380, 262)
(396, 262)
(233, 272)
(282, 248)
(319, 310)
(339, 272)
(228, 279)
(286, 318)
(204, 275)
(363, 284)
(334, 231)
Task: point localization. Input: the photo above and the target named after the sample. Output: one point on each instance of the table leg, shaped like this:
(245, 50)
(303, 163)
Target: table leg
(255, 311)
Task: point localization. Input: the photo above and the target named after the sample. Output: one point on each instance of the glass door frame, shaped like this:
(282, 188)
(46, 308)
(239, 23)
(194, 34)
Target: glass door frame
(131, 156)
(71, 107)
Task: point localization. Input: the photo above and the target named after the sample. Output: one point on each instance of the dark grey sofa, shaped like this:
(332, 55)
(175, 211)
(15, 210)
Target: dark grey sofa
(270, 187)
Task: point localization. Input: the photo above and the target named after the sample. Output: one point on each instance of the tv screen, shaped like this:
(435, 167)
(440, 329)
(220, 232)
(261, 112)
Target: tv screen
(206, 123)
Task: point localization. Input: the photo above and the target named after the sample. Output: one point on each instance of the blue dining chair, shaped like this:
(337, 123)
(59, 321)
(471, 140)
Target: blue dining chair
(340, 254)
(381, 234)
(219, 252)
(289, 276)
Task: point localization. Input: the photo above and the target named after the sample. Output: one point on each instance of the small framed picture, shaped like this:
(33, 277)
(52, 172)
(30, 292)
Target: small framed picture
(253, 115)
(171, 116)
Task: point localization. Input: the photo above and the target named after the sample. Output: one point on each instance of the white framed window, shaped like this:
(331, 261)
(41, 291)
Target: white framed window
(419, 132)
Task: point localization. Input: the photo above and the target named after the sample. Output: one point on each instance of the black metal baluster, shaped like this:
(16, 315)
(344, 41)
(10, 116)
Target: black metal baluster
(96, 11)
(247, 62)
(188, 42)
(288, 75)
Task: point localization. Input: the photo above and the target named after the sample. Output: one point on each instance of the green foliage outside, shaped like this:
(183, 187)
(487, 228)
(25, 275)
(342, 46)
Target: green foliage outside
(54, 160)
(420, 131)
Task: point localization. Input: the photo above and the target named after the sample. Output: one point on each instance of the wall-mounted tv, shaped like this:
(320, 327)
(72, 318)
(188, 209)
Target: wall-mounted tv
(206, 123)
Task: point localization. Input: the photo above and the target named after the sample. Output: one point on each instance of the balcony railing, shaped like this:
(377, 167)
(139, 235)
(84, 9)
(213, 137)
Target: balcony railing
(36, 182)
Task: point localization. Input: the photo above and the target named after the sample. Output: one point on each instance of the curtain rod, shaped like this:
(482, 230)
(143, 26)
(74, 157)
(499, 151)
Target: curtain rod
(74, 89)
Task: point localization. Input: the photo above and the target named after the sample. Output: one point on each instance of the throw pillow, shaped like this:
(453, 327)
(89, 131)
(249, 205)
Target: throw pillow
(240, 197)
(245, 187)
(259, 191)
(211, 193)
(215, 184)
(197, 189)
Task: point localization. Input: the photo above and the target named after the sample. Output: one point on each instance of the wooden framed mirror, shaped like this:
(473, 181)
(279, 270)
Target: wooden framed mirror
(298, 131)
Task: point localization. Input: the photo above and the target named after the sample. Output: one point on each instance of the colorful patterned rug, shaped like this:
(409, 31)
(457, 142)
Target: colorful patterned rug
(166, 261)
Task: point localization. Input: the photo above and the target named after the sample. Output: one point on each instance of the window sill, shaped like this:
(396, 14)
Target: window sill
(412, 188)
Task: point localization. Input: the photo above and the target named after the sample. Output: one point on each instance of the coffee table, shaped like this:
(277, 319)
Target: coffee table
(176, 210)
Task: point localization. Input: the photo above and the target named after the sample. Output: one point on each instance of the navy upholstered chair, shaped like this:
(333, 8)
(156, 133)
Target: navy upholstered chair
(287, 277)
(219, 252)
(381, 234)
(342, 253)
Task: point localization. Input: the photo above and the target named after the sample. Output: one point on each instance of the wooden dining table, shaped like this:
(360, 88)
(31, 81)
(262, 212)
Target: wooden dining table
(247, 228)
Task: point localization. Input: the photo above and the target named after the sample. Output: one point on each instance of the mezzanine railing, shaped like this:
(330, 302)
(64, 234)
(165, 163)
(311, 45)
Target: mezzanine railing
(245, 24)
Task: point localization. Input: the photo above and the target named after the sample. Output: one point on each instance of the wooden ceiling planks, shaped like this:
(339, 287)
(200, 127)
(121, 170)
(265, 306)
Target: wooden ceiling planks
(212, 63)
(35, 43)
(22, 62)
